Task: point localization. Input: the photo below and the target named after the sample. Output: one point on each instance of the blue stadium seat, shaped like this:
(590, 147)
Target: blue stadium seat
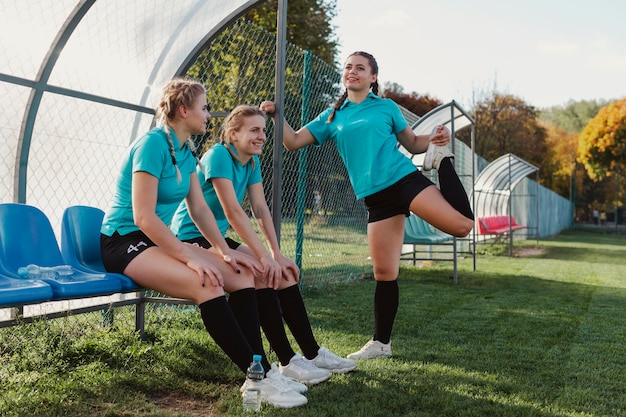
(27, 237)
(19, 292)
(80, 243)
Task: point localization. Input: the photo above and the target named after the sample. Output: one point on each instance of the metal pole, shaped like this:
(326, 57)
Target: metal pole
(302, 160)
(281, 28)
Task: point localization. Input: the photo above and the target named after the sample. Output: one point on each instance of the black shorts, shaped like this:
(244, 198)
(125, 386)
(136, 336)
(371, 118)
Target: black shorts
(396, 198)
(203, 243)
(118, 251)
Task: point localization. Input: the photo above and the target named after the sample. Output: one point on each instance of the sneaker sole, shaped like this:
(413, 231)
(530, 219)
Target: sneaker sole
(342, 370)
(310, 381)
(384, 356)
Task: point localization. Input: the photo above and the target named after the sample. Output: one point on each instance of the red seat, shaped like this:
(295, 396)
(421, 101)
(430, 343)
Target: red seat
(497, 225)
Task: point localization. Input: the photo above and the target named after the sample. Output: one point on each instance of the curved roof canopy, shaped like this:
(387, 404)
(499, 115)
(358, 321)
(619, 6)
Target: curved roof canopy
(451, 115)
(75, 73)
(495, 183)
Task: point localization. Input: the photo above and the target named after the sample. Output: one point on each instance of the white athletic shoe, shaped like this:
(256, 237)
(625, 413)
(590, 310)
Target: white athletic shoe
(328, 360)
(434, 156)
(294, 385)
(302, 370)
(373, 349)
(275, 392)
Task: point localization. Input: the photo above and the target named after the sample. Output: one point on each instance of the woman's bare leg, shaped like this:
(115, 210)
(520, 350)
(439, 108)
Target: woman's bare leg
(434, 209)
(385, 239)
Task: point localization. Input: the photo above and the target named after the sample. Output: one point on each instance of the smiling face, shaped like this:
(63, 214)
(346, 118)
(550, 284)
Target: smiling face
(358, 74)
(250, 137)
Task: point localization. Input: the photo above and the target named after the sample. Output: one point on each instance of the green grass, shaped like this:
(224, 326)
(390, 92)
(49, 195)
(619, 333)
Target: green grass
(543, 334)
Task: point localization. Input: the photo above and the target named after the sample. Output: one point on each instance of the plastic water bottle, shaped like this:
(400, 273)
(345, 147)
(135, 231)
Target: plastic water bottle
(252, 393)
(64, 271)
(37, 272)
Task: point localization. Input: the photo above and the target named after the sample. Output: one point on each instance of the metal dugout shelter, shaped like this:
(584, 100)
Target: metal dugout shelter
(495, 185)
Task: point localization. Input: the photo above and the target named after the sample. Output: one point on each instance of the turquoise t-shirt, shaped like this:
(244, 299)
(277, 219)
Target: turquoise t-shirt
(365, 136)
(150, 153)
(217, 162)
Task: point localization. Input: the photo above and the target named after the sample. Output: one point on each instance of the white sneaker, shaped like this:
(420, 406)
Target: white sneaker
(302, 370)
(274, 373)
(328, 360)
(434, 156)
(372, 349)
(277, 394)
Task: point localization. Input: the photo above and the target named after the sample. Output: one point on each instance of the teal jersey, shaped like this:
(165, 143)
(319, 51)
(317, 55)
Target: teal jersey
(217, 162)
(150, 153)
(365, 136)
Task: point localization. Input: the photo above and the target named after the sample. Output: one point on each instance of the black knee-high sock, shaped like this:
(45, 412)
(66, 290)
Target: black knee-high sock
(224, 329)
(452, 188)
(272, 323)
(386, 300)
(296, 317)
(243, 304)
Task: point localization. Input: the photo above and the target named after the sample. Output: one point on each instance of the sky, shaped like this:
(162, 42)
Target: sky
(546, 52)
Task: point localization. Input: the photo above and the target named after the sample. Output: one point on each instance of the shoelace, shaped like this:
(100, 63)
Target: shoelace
(329, 357)
(304, 363)
(279, 383)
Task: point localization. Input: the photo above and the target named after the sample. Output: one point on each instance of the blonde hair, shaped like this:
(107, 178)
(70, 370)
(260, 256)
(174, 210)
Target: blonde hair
(233, 123)
(179, 91)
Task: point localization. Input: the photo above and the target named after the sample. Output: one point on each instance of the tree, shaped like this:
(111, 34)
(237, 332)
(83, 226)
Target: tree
(419, 105)
(506, 124)
(559, 159)
(602, 143)
(309, 25)
(574, 116)
(392, 87)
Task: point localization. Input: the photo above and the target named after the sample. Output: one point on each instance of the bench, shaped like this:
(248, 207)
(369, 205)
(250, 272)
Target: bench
(498, 225)
(418, 232)
(27, 237)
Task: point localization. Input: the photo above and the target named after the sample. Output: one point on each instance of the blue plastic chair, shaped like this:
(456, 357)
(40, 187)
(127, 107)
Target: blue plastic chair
(27, 237)
(19, 292)
(80, 243)
(417, 231)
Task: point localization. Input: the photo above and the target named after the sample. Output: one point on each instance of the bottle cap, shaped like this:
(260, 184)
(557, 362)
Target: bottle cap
(256, 358)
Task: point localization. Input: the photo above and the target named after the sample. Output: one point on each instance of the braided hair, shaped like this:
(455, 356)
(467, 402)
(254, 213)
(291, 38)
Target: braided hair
(179, 91)
(374, 86)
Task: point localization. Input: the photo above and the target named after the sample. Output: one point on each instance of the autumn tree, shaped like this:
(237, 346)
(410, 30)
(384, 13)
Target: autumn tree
(309, 25)
(563, 125)
(506, 124)
(602, 143)
(559, 159)
(415, 103)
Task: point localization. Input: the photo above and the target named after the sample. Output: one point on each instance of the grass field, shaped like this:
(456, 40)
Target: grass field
(542, 333)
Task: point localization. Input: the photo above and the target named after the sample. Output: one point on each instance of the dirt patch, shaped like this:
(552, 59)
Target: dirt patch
(527, 252)
(176, 402)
